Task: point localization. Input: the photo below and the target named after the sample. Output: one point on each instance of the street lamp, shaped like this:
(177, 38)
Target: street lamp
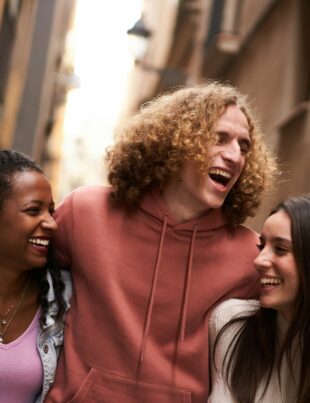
(139, 36)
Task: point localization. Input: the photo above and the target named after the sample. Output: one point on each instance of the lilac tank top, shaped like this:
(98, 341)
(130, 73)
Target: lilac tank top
(21, 373)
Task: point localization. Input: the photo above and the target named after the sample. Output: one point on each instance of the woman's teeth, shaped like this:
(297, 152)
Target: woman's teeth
(272, 281)
(40, 242)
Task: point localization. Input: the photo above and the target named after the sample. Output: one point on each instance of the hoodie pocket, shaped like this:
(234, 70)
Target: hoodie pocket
(104, 387)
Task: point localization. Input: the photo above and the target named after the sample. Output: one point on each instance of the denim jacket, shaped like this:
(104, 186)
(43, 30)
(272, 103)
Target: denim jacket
(50, 337)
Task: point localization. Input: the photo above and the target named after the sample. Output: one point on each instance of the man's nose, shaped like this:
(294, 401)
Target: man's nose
(232, 152)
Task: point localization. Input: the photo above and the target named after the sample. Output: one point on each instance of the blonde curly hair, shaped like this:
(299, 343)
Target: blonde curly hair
(177, 127)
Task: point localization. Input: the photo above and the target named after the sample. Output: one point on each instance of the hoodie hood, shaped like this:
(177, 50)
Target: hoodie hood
(154, 207)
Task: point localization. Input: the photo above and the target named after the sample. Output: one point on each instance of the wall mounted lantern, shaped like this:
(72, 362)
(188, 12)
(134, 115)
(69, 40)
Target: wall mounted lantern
(139, 37)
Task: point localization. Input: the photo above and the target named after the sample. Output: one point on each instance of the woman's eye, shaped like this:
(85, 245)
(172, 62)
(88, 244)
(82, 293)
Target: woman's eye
(33, 210)
(280, 250)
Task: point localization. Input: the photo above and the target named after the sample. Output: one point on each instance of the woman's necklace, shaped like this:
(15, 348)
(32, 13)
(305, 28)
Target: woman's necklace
(6, 321)
(3, 319)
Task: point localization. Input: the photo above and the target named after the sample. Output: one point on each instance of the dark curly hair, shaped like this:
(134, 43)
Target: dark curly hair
(13, 163)
(177, 127)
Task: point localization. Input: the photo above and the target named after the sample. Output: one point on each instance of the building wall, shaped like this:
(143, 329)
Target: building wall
(35, 84)
(16, 38)
(269, 64)
(31, 98)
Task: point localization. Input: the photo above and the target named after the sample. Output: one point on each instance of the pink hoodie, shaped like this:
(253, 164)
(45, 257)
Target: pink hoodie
(144, 287)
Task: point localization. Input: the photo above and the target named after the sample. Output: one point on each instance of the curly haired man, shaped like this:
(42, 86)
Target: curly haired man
(155, 252)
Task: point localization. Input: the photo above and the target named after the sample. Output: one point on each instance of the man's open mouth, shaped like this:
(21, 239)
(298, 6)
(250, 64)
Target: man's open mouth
(220, 176)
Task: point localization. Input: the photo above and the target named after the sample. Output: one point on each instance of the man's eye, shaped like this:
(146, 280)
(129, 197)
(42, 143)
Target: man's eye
(244, 148)
(260, 246)
(220, 138)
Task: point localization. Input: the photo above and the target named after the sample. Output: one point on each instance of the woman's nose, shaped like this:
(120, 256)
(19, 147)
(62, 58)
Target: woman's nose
(263, 260)
(49, 222)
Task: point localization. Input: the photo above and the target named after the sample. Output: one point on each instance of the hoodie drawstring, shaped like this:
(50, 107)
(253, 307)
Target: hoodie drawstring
(154, 283)
(186, 288)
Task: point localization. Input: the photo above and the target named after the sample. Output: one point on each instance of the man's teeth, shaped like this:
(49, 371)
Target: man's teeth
(42, 242)
(218, 171)
(265, 281)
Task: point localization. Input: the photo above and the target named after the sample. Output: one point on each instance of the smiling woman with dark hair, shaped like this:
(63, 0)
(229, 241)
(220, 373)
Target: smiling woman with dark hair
(261, 350)
(34, 293)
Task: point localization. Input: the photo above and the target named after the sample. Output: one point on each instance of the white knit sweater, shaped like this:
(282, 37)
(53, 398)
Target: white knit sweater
(275, 393)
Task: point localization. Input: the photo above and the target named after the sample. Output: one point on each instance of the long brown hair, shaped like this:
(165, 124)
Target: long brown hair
(256, 340)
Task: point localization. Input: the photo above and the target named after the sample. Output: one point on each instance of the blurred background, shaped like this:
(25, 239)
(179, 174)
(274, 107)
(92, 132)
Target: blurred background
(71, 70)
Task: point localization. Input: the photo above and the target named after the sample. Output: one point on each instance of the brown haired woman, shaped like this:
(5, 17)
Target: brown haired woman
(261, 349)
